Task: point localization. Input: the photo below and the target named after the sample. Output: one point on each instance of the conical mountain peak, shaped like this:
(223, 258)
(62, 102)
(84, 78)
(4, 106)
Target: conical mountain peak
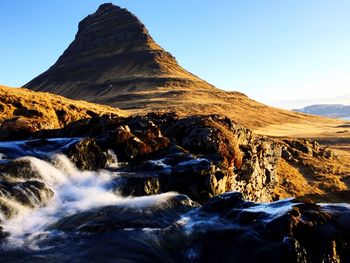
(113, 55)
(111, 27)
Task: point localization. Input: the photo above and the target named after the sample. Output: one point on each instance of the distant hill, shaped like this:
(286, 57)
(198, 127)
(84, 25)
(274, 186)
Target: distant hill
(328, 110)
(26, 109)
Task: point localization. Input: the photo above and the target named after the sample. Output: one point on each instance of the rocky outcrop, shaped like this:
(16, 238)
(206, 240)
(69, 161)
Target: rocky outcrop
(312, 172)
(87, 155)
(299, 232)
(293, 150)
(225, 229)
(200, 156)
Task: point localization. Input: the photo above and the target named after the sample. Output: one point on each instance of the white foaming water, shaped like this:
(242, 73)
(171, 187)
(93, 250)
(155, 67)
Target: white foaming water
(275, 209)
(74, 191)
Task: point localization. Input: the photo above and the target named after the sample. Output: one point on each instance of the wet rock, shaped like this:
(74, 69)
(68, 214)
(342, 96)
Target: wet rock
(233, 157)
(278, 232)
(21, 168)
(157, 215)
(127, 145)
(226, 229)
(139, 185)
(198, 178)
(223, 202)
(31, 194)
(87, 155)
(243, 161)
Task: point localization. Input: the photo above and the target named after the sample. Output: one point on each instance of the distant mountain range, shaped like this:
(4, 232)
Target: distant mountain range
(329, 110)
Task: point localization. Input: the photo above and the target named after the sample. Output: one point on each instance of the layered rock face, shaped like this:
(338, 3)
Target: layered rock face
(114, 59)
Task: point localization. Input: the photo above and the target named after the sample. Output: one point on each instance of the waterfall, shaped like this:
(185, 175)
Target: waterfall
(74, 191)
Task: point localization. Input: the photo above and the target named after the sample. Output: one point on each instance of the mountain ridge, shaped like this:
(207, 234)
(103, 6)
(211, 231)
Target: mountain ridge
(328, 110)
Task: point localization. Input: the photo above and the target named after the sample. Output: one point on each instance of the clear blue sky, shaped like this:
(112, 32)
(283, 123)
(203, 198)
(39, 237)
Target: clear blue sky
(272, 50)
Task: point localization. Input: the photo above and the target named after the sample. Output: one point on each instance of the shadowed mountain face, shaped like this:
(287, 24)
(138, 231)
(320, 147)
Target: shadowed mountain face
(113, 59)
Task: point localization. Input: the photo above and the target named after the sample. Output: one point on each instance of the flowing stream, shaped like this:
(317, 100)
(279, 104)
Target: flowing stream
(50, 211)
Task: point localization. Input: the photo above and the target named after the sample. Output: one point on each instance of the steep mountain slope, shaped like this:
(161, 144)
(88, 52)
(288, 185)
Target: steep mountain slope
(113, 60)
(113, 55)
(22, 109)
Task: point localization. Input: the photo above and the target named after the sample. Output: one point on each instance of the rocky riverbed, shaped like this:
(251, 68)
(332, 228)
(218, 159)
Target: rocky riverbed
(159, 188)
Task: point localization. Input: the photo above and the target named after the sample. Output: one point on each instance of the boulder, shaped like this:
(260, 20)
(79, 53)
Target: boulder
(137, 184)
(31, 194)
(208, 135)
(131, 216)
(18, 169)
(87, 155)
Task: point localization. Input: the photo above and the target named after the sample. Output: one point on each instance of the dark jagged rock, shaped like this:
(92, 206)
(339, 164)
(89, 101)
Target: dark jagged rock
(18, 169)
(16, 128)
(213, 157)
(29, 193)
(138, 143)
(208, 135)
(278, 232)
(128, 216)
(226, 229)
(87, 155)
(294, 148)
(138, 184)
(203, 155)
(32, 194)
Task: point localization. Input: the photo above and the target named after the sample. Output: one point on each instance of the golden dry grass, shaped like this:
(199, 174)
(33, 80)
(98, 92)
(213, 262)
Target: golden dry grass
(315, 179)
(260, 118)
(42, 110)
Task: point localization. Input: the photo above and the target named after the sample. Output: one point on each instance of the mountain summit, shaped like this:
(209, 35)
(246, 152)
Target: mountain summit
(113, 60)
(113, 55)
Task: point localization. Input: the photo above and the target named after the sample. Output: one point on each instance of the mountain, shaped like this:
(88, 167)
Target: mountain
(25, 110)
(113, 60)
(328, 110)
